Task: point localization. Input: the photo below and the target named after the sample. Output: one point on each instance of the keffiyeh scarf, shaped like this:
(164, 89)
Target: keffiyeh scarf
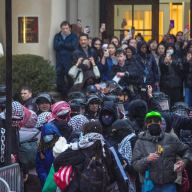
(77, 122)
(125, 148)
(42, 119)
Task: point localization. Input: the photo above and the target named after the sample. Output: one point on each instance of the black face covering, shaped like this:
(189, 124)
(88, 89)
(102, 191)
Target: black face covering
(154, 129)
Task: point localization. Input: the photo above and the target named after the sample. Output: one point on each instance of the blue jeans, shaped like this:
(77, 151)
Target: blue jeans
(188, 96)
(165, 188)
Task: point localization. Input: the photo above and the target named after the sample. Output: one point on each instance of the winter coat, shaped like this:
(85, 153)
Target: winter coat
(78, 75)
(148, 66)
(64, 50)
(43, 165)
(106, 69)
(149, 69)
(171, 74)
(187, 65)
(133, 73)
(79, 52)
(29, 103)
(161, 170)
(78, 158)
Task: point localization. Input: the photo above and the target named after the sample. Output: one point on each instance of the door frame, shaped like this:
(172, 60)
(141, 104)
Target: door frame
(107, 14)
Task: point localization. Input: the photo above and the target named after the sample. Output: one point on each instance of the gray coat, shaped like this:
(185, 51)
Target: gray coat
(161, 170)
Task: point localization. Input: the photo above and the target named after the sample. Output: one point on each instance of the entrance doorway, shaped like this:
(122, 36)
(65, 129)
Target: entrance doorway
(137, 16)
(121, 16)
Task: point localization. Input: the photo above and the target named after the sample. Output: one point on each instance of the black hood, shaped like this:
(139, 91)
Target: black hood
(133, 50)
(137, 110)
(108, 106)
(139, 45)
(121, 128)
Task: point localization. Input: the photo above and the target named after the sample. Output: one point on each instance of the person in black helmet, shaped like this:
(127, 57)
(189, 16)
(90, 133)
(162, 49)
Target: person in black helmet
(91, 90)
(43, 102)
(93, 107)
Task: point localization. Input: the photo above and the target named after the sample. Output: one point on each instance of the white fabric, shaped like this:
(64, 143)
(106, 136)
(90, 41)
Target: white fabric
(74, 71)
(60, 146)
(1, 50)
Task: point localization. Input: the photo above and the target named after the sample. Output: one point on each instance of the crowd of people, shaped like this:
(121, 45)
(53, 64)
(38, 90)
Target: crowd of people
(123, 123)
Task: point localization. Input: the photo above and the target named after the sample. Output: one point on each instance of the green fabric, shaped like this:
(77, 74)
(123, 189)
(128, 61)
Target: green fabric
(152, 114)
(50, 185)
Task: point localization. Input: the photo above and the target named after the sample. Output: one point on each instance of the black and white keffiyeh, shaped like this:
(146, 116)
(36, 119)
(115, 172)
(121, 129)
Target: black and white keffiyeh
(77, 122)
(125, 148)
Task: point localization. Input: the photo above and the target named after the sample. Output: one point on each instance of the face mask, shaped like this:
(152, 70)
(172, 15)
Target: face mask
(48, 138)
(170, 51)
(154, 129)
(107, 120)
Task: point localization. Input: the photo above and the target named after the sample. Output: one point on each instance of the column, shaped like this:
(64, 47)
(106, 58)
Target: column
(88, 12)
(2, 22)
(72, 11)
(58, 14)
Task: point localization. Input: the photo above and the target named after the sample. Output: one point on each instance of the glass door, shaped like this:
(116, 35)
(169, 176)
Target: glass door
(138, 16)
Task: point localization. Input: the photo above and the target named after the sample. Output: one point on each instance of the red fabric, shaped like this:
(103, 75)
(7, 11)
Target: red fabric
(56, 108)
(29, 118)
(63, 177)
(185, 182)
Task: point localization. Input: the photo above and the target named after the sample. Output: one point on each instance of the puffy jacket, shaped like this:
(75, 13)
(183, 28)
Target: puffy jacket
(64, 50)
(43, 165)
(161, 170)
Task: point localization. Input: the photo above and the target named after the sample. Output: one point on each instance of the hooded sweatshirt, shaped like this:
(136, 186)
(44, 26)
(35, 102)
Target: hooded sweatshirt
(108, 107)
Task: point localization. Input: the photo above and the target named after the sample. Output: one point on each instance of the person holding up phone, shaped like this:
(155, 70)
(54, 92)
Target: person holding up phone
(109, 59)
(171, 69)
(97, 45)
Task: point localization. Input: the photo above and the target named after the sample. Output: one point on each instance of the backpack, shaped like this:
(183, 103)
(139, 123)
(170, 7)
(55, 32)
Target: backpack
(94, 177)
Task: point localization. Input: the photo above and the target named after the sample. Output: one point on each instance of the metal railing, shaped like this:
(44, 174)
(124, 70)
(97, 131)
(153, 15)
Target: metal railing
(11, 178)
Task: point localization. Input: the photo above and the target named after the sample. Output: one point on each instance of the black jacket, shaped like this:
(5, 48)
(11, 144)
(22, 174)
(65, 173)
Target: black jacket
(187, 65)
(79, 52)
(171, 74)
(29, 103)
(148, 66)
(133, 73)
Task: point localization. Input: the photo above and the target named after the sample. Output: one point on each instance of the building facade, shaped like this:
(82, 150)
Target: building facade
(151, 18)
(35, 22)
(50, 14)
